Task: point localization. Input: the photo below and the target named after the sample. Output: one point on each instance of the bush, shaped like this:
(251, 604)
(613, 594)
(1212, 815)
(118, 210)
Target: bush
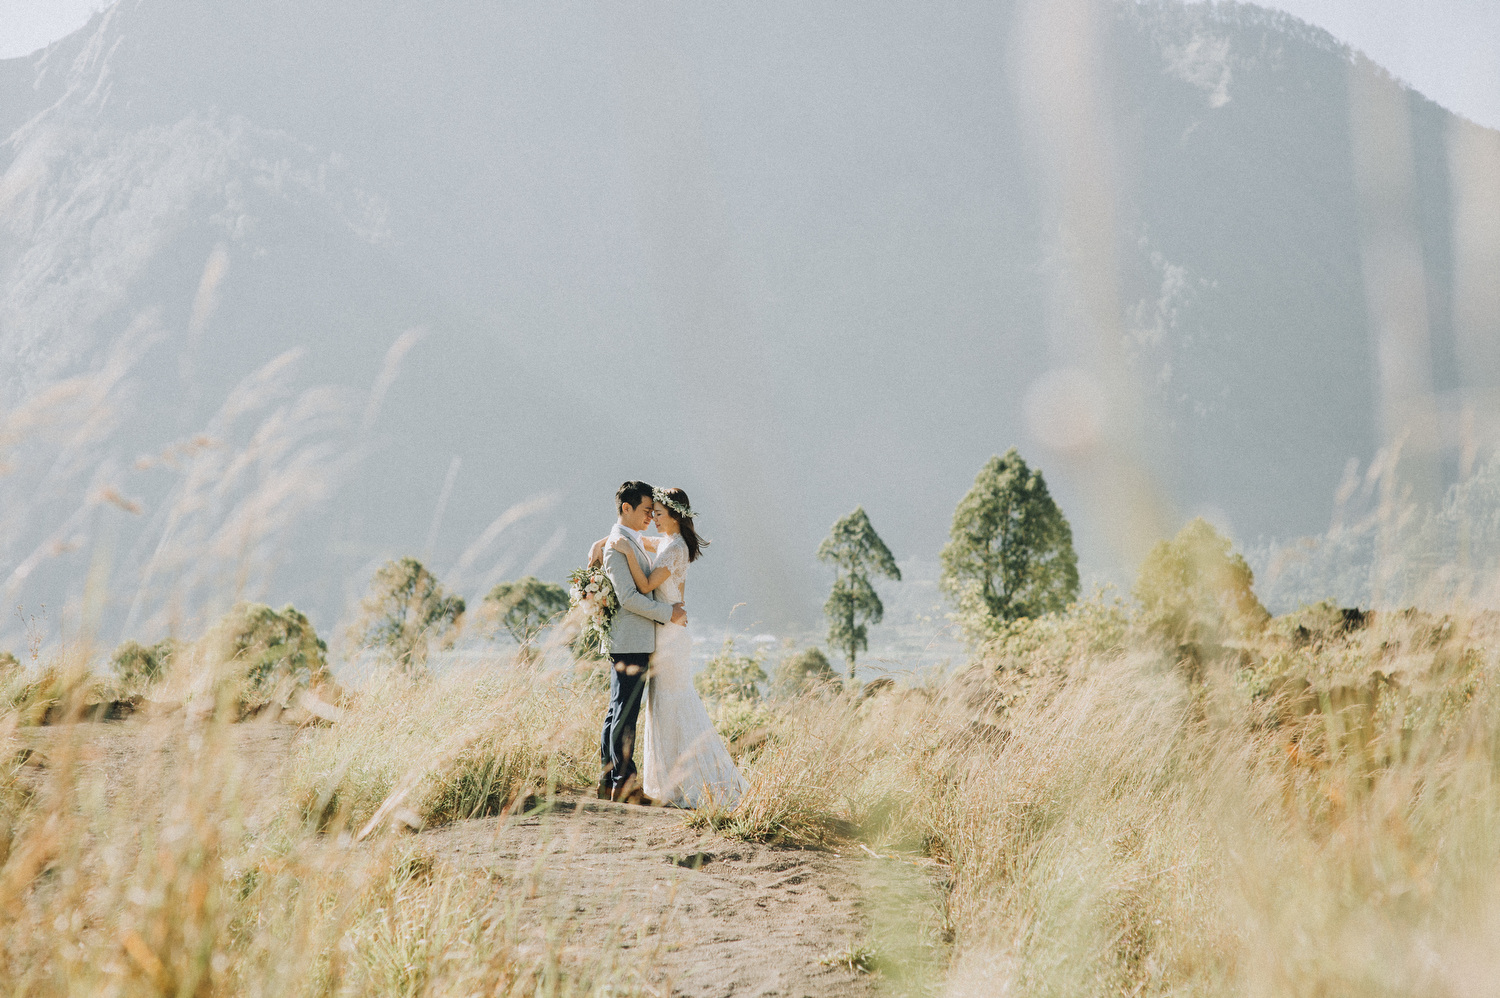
(57, 692)
(256, 656)
(807, 670)
(137, 664)
(731, 676)
(1088, 631)
(1195, 591)
(742, 719)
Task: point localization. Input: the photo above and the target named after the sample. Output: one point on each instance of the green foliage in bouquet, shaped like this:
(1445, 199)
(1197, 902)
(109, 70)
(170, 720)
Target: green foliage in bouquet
(592, 599)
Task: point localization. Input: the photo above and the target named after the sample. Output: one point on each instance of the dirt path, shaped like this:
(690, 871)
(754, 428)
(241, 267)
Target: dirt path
(684, 912)
(707, 915)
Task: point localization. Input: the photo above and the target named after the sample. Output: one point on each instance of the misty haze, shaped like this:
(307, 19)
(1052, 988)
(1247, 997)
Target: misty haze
(1089, 406)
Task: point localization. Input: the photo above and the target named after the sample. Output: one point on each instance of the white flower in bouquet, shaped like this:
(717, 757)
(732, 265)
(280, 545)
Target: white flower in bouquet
(591, 591)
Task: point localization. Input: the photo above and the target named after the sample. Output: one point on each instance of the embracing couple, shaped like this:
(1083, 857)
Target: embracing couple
(682, 760)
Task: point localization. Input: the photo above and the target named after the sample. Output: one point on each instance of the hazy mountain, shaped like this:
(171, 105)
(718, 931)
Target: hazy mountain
(791, 257)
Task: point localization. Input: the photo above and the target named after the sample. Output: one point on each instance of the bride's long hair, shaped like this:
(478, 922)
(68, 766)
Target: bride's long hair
(695, 544)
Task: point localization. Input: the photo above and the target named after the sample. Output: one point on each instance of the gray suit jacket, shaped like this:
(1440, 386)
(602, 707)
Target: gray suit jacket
(634, 627)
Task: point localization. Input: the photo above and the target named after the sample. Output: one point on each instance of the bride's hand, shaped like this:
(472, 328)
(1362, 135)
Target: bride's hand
(596, 553)
(620, 545)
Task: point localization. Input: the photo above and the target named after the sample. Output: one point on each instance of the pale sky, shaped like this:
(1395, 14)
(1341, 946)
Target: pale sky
(1447, 49)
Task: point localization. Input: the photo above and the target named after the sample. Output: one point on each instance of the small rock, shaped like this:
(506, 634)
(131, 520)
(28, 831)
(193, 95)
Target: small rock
(690, 861)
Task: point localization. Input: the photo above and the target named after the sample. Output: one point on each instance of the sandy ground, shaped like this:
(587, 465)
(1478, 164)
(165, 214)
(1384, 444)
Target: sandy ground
(707, 915)
(126, 757)
(683, 912)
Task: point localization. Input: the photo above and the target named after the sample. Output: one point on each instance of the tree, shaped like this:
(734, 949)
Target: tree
(407, 610)
(1010, 553)
(806, 670)
(526, 606)
(731, 676)
(1195, 591)
(856, 551)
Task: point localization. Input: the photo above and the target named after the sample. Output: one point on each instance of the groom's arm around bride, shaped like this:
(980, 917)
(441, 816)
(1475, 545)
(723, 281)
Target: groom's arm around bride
(633, 601)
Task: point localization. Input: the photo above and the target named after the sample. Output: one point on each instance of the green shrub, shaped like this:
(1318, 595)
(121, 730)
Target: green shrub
(734, 719)
(807, 670)
(137, 664)
(1086, 632)
(256, 655)
(277, 645)
(1195, 591)
(731, 676)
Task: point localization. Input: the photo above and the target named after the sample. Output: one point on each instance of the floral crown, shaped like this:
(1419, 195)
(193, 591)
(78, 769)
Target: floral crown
(683, 513)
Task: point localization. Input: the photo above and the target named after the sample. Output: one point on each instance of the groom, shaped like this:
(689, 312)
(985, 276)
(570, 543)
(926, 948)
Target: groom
(632, 639)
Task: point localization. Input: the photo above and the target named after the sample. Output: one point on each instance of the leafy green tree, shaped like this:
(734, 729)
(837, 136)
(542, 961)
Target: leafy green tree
(806, 670)
(526, 606)
(731, 676)
(136, 663)
(406, 612)
(856, 551)
(1010, 553)
(1194, 590)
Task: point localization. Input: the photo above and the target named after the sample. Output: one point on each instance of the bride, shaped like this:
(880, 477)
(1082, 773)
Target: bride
(682, 759)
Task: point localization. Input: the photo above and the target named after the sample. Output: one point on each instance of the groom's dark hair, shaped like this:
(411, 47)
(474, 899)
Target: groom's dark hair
(630, 494)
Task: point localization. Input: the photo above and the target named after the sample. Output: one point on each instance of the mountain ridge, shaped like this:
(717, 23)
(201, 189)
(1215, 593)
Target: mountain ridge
(819, 254)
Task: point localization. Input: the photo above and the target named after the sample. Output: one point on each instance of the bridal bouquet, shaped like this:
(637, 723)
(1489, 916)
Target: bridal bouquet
(591, 589)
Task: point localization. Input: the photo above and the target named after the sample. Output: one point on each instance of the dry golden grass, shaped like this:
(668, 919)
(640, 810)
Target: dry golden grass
(176, 855)
(1317, 813)
(461, 746)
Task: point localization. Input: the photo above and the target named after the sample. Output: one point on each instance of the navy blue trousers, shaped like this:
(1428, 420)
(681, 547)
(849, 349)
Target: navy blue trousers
(617, 741)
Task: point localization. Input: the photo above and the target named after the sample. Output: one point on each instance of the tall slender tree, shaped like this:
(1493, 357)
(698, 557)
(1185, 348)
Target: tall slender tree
(856, 552)
(1011, 550)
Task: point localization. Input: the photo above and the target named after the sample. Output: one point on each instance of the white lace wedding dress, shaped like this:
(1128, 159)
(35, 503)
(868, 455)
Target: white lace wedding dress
(683, 760)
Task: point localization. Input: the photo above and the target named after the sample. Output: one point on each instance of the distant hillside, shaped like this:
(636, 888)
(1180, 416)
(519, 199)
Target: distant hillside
(792, 258)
